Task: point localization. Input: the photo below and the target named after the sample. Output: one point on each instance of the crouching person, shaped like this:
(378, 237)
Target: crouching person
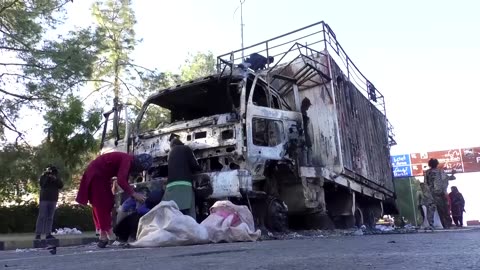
(126, 228)
(181, 166)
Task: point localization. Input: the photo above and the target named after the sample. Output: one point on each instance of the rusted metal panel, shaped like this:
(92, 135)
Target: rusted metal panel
(323, 126)
(363, 133)
(349, 133)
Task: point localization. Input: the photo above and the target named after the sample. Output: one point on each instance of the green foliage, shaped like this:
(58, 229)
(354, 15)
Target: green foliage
(115, 21)
(35, 71)
(17, 173)
(71, 135)
(198, 65)
(74, 216)
(22, 218)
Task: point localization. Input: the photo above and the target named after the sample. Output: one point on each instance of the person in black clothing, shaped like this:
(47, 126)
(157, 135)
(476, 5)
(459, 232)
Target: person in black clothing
(307, 159)
(457, 206)
(50, 184)
(182, 164)
(258, 62)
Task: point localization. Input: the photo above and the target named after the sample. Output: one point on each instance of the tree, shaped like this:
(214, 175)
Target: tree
(115, 20)
(71, 135)
(198, 65)
(35, 71)
(116, 73)
(16, 172)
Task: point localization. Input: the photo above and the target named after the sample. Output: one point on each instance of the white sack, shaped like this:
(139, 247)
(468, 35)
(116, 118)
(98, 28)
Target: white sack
(228, 222)
(425, 223)
(165, 225)
(437, 224)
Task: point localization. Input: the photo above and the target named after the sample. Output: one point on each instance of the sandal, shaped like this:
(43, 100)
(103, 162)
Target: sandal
(102, 243)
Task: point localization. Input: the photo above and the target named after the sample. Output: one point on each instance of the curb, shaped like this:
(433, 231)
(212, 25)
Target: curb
(65, 242)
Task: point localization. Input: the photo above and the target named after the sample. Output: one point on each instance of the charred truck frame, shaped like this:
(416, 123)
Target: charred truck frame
(304, 134)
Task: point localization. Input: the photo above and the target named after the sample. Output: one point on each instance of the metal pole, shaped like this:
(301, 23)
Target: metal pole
(241, 25)
(413, 201)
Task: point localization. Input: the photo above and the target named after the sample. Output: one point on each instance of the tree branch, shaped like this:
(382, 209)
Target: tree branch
(128, 89)
(11, 127)
(30, 98)
(28, 65)
(8, 6)
(94, 91)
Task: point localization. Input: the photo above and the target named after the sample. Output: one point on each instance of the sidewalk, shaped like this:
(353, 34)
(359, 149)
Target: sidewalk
(26, 240)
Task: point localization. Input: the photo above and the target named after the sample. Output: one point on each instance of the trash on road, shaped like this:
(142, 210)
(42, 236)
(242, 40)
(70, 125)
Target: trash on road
(165, 225)
(384, 228)
(65, 231)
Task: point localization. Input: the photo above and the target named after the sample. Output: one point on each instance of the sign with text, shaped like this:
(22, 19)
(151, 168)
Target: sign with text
(401, 165)
(414, 164)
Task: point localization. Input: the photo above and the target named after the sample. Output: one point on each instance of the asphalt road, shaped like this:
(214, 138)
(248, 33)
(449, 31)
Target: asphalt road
(438, 250)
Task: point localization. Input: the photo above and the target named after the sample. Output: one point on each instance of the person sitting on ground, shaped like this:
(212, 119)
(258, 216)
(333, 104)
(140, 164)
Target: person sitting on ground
(457, 206)
(50, 184)
(126, 229)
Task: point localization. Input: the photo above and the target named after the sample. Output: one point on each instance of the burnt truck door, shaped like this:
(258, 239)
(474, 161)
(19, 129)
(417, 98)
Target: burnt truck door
(115, 140)
(269, 126)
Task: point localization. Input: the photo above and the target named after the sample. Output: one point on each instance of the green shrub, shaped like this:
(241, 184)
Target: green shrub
(74, 216)
(22, 218)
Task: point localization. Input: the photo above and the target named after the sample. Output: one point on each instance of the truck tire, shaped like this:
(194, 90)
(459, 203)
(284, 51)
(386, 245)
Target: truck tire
(276, 215)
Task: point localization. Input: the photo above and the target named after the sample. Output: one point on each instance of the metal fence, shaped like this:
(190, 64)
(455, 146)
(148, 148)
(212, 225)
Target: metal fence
(316, 38)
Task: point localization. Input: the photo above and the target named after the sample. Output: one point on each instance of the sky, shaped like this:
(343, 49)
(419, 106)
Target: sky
(422, 55)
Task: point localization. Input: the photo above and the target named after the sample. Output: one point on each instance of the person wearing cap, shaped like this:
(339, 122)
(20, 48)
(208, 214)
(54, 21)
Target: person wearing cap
(96, 186)
(50, 185)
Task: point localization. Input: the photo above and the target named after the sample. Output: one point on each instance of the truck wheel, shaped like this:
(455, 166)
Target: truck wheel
(276, 218)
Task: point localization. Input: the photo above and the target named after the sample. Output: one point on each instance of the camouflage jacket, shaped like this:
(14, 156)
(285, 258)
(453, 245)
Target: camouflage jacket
(425, 197)
(437, 180)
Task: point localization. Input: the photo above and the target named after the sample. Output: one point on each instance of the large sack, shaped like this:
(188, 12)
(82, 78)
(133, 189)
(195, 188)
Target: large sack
(165, 225)
(228, 222)
(437, 224)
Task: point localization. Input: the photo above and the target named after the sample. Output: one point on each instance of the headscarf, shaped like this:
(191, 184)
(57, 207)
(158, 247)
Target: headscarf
(142, 162)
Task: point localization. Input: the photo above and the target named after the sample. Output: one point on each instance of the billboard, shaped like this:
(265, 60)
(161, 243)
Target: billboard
(414, 164)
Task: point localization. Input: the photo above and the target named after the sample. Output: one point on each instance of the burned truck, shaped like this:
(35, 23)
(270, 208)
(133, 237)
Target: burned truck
(302, 138)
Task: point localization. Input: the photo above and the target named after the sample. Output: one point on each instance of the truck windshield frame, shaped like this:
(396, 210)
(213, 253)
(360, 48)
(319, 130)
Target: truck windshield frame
(202, 98)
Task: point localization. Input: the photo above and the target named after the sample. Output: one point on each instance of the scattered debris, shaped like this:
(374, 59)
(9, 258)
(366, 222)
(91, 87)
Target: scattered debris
(21, 250)
(52, 249)
(65, 231)
(384, 228)
(358, 232)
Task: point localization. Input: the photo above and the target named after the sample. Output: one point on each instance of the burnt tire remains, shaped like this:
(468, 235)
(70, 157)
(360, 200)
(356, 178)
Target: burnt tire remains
(276, 215)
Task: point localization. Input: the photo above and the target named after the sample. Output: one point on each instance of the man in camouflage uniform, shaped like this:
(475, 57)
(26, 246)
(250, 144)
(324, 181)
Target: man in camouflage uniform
(425, 198)
(437, 181)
